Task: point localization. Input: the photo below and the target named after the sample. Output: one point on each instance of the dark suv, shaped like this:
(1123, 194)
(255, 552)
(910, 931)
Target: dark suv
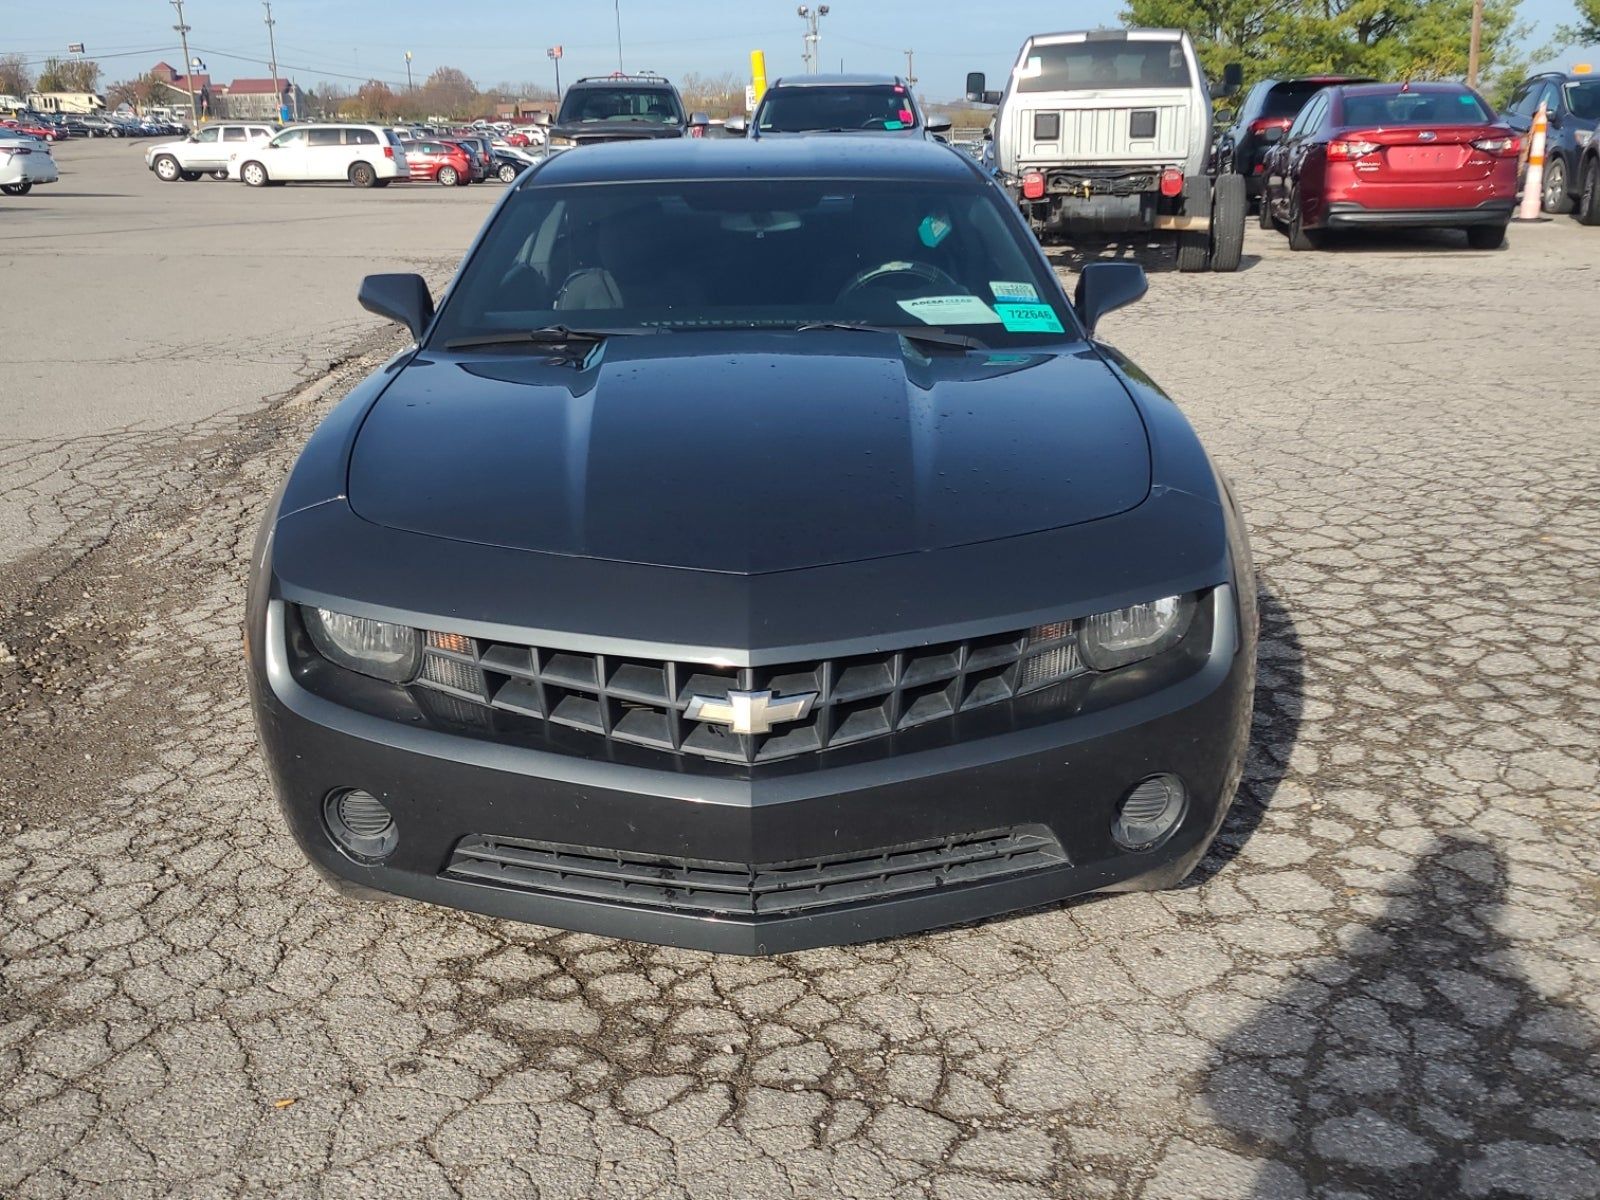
(1268, 109)
(622, 108)
(1572, 103)
(840, 104)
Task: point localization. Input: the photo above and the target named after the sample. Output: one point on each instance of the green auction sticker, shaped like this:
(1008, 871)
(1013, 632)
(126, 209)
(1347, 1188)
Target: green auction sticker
(1029, 318)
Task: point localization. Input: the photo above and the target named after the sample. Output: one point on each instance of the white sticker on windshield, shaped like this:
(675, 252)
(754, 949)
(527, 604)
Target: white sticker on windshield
(951, 310)
(1005, 291)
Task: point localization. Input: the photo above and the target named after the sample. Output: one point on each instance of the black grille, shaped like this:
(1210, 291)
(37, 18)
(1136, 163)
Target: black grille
(753, 890)
(647, 702)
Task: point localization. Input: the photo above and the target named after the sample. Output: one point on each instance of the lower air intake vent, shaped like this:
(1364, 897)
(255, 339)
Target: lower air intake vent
(753, 890)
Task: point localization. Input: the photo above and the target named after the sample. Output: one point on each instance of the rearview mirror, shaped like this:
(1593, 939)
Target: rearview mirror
(1232, 79)
(1103, 286)
(735, 127)
(403, 299)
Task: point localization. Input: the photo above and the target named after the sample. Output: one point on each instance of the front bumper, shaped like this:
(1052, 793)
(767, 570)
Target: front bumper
(1067, 777)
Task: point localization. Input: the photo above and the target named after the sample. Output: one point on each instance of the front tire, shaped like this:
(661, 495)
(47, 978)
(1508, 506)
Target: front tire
(1589, 199)
(253, 174)
(508, 173)
(1555, 197)
(167, 169)
(17, 189)
(1486, 237)
(448, 176)
(362, 175)
(1229, 204)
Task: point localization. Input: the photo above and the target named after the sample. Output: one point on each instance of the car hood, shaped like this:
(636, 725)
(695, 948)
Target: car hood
(587, 133)
(749, 453)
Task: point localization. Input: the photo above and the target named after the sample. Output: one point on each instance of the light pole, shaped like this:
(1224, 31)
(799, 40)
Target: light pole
(1474, 48)
(410, 87)
(272, 47)
(911, 74)
(617, 8)
(188, 71)
(812, 53)
(554, 55)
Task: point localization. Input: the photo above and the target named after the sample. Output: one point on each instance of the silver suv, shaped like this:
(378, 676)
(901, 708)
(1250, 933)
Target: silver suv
(1109, 131)
(206, 151)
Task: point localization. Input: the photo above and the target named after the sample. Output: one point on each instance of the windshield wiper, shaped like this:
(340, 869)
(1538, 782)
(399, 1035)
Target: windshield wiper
(547, 335)
(912, 333)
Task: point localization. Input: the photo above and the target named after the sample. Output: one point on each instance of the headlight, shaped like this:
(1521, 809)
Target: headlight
(361, 644)
(1125, 635)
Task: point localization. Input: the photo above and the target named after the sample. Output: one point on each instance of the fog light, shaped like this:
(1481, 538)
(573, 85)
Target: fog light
(1149, 813)
(360, 823)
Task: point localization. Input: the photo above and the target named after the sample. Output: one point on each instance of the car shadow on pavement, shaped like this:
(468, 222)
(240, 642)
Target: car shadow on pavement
(1155, 256)
(1416, 1055)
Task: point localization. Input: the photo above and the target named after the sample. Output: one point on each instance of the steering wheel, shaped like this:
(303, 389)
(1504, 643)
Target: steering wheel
(915, 275)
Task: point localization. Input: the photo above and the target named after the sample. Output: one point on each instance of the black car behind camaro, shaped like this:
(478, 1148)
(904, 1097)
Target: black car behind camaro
(754, 552)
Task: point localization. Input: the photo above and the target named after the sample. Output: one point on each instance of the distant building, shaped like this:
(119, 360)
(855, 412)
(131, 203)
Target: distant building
(177, 88)
(521, 110)
(259, 100)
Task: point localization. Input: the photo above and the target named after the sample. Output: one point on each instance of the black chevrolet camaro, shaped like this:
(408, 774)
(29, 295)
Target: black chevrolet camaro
(755, 551)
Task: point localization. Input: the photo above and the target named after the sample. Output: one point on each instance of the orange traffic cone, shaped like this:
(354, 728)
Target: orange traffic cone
(1533, 182)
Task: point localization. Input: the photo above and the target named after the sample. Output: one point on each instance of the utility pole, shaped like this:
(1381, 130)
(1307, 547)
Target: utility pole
(410, 87)
(272, 47)
(188, 71)
(911, 73)
(616, 6)
(1476, 43)
(812, 52)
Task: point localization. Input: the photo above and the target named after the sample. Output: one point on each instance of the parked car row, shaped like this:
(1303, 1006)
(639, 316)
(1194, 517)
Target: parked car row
(60, 127)
(1326, 152)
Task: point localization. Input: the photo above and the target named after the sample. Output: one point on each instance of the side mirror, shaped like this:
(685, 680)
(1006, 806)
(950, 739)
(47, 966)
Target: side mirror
(940, 126)
(701, 119)
(1224, 116)
(1232, 78)
(976, 83)
(1103, 286)
(403, 299)
(542, 119)
(735, 127)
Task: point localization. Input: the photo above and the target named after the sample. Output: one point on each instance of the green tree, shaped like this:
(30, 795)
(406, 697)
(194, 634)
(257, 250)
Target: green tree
(1389, 39)
(449, 92)
(15, 78)
(1585, 31)
(142, 93)
(69, 75)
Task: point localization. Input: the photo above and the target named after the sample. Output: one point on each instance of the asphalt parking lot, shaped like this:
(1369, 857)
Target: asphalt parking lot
(1382, 983)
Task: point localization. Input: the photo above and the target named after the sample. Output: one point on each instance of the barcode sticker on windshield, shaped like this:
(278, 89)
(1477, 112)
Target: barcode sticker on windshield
(1003, 290)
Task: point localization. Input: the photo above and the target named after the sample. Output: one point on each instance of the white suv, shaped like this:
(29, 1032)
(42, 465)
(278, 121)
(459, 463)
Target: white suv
(205, 152)
(362, 155)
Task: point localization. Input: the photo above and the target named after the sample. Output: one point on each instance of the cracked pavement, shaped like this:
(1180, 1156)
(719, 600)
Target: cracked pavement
(1381, 983)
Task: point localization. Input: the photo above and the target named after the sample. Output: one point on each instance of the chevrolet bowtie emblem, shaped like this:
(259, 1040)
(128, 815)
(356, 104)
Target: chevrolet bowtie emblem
(750, 712)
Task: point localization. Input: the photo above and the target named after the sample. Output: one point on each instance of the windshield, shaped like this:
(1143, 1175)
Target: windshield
(1416, 108)
(1287, 99)
(1583, 99)
(799, 109)
(757, 255)
(658, 105)
(1084, 66)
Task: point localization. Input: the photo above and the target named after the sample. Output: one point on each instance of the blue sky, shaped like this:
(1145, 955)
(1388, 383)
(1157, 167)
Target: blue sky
(495, 40)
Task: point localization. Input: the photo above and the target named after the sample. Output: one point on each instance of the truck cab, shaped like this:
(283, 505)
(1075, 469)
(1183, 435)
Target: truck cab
(1104, 132)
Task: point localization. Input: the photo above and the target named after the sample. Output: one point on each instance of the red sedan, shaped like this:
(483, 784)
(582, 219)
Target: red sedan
(442, 162)
(48, 132)
(1417, 155)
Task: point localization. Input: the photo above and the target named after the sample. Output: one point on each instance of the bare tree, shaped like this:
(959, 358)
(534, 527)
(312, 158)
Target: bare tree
(15, 78)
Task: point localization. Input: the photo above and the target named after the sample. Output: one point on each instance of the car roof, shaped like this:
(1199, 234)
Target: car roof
(777, 158)
(837, 80)
(1386, 89)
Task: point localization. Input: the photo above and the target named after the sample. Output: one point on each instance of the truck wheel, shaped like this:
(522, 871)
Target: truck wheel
(1194, 245)
(167, 169)
(1228, 207)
